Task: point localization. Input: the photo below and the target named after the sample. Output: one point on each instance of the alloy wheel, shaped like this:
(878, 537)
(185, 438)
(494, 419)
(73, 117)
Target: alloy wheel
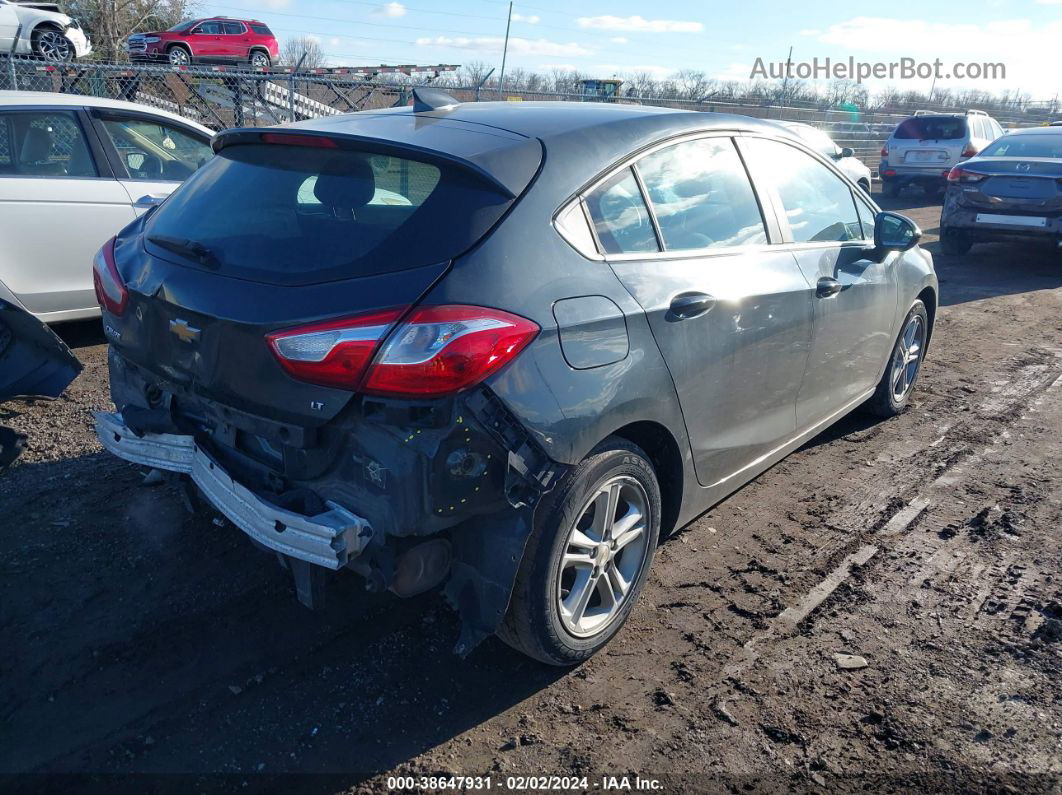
(179, 56)
(603, 556)
(54, 46)
(259, 61)
(907, 357)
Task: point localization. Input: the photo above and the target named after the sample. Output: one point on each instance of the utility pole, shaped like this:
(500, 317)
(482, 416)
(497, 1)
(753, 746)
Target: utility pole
(788, 66)
(505, 51)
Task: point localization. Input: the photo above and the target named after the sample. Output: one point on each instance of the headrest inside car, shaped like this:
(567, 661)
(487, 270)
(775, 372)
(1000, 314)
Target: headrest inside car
(346, 181)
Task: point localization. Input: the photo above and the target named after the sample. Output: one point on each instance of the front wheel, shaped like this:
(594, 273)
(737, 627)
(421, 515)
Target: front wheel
(179, 56)
(51, 45)
(588, 557)
(894, 390)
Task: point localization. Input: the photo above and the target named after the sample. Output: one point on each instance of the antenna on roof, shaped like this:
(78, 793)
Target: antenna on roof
(425, 99)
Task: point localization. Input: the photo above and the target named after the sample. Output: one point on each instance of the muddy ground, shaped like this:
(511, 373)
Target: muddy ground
(140, 640)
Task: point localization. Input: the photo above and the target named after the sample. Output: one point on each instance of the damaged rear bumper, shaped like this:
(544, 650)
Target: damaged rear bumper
(330, 539)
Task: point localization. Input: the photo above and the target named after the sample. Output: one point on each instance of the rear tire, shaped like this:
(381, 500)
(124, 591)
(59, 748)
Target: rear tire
(896, 385)
(954, 242)
(865, 185)
(890, 190)
(260, 60)
(572, 553)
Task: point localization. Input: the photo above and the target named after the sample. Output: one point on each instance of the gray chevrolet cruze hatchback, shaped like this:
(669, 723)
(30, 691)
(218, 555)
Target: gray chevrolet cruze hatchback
(502, 347)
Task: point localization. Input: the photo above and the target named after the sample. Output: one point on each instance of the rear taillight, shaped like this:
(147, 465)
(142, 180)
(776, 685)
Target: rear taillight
(335, 353)
(885, 150)
(437, 351)
(110, 291)
(963, 175)
(969, 151)
(440, 350)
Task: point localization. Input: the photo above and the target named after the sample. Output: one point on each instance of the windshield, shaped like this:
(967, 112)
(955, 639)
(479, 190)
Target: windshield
(936, 128)
(300, 215)
(1018, 145)
(181, 27)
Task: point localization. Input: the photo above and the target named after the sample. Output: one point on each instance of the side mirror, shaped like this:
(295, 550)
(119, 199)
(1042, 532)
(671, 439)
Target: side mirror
(848, 152)
(895, 232)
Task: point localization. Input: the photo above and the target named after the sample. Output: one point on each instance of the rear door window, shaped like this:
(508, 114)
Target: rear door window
(232, 28)
(45, 144)
(936, 128)
(299, 215)
(817, 203)
(620, 216)
(702, 196)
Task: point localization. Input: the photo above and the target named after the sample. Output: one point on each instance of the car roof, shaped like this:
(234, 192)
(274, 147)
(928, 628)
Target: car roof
(1033, 131)
(551, 120)
(46, 98)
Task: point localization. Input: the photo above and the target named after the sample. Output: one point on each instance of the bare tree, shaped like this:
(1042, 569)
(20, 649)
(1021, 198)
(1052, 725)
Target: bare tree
(302, 48)
(109, 22)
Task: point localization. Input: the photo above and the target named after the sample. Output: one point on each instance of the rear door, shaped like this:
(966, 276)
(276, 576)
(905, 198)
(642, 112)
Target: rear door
(928, 142)
(58, 204)
(150, 156)
(268, 236)
(684, 231)
(235, 41)
(829, 229)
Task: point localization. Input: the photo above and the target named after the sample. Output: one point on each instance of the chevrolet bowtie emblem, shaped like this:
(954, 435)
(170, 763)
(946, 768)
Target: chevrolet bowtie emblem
(183, 331)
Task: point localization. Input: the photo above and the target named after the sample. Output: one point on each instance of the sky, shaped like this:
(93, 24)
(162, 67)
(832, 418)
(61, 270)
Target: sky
(603, 38)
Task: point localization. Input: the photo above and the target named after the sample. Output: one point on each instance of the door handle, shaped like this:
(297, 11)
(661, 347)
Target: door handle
(827, 287)
(690, 305)
(145, 202)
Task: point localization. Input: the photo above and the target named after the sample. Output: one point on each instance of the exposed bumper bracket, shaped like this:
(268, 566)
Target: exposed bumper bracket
(330, 539)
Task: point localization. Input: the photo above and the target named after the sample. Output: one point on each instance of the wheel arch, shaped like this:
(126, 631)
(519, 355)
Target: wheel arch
(928, 296)
(665, 456)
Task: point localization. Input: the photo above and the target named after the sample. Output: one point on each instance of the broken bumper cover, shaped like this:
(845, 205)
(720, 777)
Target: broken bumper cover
(330, 539)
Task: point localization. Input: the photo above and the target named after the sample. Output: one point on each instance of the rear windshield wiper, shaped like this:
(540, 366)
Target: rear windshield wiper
(187, 248)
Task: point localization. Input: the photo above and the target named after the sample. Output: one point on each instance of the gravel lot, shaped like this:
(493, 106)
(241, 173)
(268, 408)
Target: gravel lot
(141, 639)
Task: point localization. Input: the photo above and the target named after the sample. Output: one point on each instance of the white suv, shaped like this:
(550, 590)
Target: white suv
(73, 171)
(46, 32)
(923, 148)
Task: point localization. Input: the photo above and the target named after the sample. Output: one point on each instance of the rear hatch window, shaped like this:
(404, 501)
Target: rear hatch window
(931, 128)
(297, 215)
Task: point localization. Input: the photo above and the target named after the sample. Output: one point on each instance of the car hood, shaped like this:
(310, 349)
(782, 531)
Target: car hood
(44, 10)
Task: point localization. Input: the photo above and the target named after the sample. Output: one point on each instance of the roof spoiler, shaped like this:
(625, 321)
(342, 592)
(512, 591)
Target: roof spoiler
(329, 140)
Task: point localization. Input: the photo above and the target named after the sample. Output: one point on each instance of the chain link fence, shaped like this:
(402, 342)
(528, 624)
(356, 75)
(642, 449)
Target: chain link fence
(221, 97)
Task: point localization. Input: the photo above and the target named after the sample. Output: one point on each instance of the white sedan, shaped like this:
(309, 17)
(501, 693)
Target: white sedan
(41, 29)
(73, 171)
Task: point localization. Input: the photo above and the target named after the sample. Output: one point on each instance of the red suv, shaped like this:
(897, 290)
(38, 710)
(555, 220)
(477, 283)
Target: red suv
(215, 40)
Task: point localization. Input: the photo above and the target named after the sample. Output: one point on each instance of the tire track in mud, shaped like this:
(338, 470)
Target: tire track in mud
(903, 468)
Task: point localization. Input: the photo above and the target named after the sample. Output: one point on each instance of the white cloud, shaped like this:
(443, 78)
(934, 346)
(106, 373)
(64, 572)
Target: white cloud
(517, 45)
(1027, 49)
(530, 20)
(390, 10)
(619, 40)
(638, 24)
